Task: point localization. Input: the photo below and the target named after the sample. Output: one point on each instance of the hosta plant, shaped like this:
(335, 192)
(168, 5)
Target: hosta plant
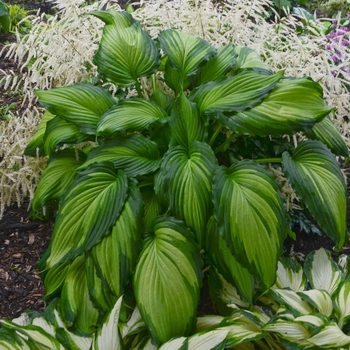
(170, 170)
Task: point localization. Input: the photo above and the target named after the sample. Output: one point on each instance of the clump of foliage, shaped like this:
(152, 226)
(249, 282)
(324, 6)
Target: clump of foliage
(165, 167)
(4, 17)
(12, 17)
(332, 8)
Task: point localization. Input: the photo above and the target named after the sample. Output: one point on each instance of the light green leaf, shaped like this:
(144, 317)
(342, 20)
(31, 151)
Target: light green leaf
(188, 174)
(107, 337)
(151, 209)
(186, 124)
(250, 215)
(126, 51)
(290, 275)
(218, 66)
(227, 264)
(292, 301)
(247, 58)
(54, 280)
(234, 94)
(136, 155)
(89, 211)
(329, 336)
(278, 113)
(116, 255)
(169, 260)
(315, 320)
(186, 55)
(342, 302)
(289, 330)
(320, 299)
(80, 104)
(318, 181)
(207, 322)
(60, 132)
(214, 339)
(130, 115)
(37, 142)
(76, 307)
(326, 132)
(57, 176)
(174, 344)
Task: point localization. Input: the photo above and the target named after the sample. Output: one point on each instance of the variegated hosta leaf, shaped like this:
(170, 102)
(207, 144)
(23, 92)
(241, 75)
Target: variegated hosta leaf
(234, 94)
(290, 275)
(218, 66)
(76, 307)
(186, 55)
(174, 344)
(226, 263)
(168, 279)
(250, 215)
(329, 336)
(289, 330)
(247, 58)
(126, 51)
(136, 155)
(35, 337)
(342, 302)
(90, 209)
(116, 255)
(130, 115)
(151, 209)
(54, 280)
(37, 141)
(318, 181)
(214, 339)
(107, 337)
(186, 124)
(207, 322)
(292, 301)
(293, 105)
(80, 104)
(134, 325)
(60, 132)
(188, 174)
(314, 320)
(320, 299)
(326, 132)
(57, 176)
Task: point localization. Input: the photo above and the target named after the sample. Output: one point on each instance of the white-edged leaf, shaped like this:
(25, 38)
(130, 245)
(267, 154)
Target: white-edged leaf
(315, 320)
(170, 261)
(329, 336)
(173, 344)
(290, 275)
(321, 271)
(249, 192)
(320, 299)
(289, 330)
(208, 321)
(134, 324)
(214, 339)
(107, 337)
(342, 302)
(293, 301)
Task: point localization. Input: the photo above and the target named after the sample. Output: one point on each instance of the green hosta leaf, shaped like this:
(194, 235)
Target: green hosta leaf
(188, 175)
(186, 53)
(218, 66)
(170, 260)
(152, 208)
(107, 337)
(289, 330)
(126, 51)
(5, 19)
(329, 336)
(321, 271)
(131, 115)
(234, 94)
(80, 104)
(318, 181)
(116, 255)
(34, 334)
(57, 177)
(88, 213)
(342, 302)
(136, 155)
(37, 141)
(292, 301)
(250, 215)
(226, 263)
(326, 132)
(290, 275)
(246, 58)
(54, 279)
(59, 132)
(76, 307)
(134, 325)
(320, 299)
(186, 125)
(278, 113)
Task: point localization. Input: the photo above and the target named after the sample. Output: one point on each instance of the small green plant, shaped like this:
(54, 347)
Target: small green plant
(170, 164)
(5, 109)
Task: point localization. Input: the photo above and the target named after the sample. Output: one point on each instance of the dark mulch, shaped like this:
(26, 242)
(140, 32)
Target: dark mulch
(23, 241)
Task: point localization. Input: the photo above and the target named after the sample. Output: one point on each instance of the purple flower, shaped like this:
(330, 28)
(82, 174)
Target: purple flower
(335, 58)
(345, 43)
